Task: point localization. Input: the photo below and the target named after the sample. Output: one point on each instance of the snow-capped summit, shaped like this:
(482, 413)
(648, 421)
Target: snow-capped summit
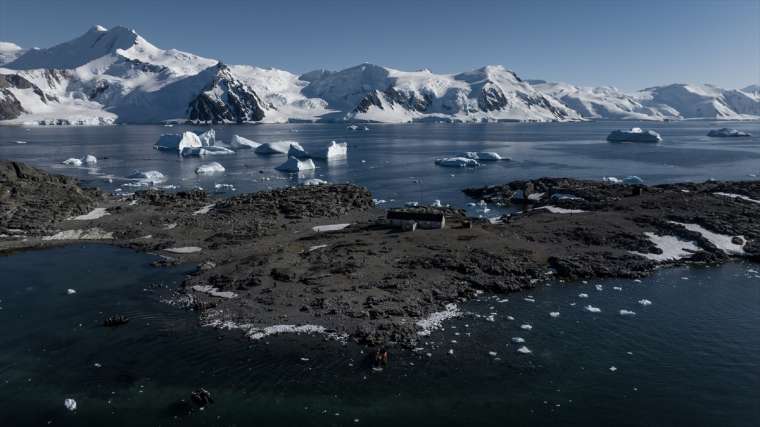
(9, 52)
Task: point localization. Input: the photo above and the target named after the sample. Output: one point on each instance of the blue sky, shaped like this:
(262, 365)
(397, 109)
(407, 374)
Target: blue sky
(631, 44)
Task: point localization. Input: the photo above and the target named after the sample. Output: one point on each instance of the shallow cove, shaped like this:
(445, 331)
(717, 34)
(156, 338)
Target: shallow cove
(695, 355)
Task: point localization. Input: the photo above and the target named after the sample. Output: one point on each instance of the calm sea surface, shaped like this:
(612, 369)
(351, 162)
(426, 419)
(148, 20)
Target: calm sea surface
(692, 357)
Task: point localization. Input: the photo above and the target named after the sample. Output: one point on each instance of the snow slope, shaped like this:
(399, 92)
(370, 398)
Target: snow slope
(9, 52)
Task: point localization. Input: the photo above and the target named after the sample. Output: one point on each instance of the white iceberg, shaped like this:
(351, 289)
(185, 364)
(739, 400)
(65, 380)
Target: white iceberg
(278, 147)
(592, 309)
(72, 162)
(314, 181)
(524, 350)
(295, 165)
(209, 168)
(70, 404)
(148, 177)
(727, 133)
(645, 302)
(205, 151)
(582, 295)
(90, 159)
(333, 151)
(624, 312)
(518, 340)
(554, 314)
(611, 180)
(240, 143)
(457, 162)
(208, 138)
(483, 156)
(634, 135)
(178, 142)
(71, 291)
(526, 327)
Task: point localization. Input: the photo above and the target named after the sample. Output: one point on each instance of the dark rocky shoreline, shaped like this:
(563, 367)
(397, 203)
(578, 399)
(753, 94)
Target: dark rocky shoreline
(261, 264)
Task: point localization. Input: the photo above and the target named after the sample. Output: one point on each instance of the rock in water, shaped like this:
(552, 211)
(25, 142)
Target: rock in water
(457, 162)
(634, 135)
(727, 133)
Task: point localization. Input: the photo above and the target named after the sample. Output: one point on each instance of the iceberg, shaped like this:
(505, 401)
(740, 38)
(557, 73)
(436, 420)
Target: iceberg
(278, 147)
(208, 138)
(238, 142)
(634, 135)
(633, 180)
(205, 151)
(298, 152)
(483, 156)
(727, 133)
(209, 168)
(72, 162)
(295, 165)
(90, 159)
(178, 142)
(457, 162)
(333, 151)
(148, 177)
(314, 181)
(70, 404)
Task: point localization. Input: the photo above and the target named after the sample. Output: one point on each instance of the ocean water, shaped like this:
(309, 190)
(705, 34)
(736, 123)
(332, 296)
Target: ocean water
(691, 358)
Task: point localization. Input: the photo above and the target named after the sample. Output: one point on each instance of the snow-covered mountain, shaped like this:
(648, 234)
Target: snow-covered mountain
(109, 76)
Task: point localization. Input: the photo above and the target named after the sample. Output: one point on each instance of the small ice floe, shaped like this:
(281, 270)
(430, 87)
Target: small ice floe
(93, 214)
(582, 295)
(451, 351)
(70, 291)
(435, 320)
(70, 404)
(329, 227)
(148, 177)
(645, 302)
(634, 135)
(239, 143)
(97, 365)
(278, 147)
(728, 133)
(526, 327)
(617, 288)
(510, 318)
(529, 299)
(554, 314)
(352, 127)
(333, 151)
(612, 180)
(206, 151)
(90, 160)
(73, 162)
(204, 210)
(209, 168)
(411, 204)
(518, 340)
(184, 250)
(215, 292)
(18, 141)
(314, 181)
(558, 210)
(524, 350)
(295, 165)
(259, 333)
(436, 204)
(613, 369)
(457, 162)
(224, 187)
(672, 248)
(493, 353)
(721, 241)
(89, 234)
(737, 196)
(591, 309)
(379, 202)
(483, 156)
(624, 312)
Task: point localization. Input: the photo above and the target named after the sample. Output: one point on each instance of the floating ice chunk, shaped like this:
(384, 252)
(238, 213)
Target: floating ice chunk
(209, 168)
(206, 151)
(73, 162)
(184, 250)
(645, 302)
(259, 333)
(624, 312)
(379, 201)
(518, 340)
(411, 204)
(721, 241)
(329, 227)
(617, 288)
(524, 350)
(215, 292)
(727, 133)
(457, 162)
(70, 291)
(333, 151)
(492, 353)
(90, 160)
(70, 404)
(208, 138)
(295, 165)
(18, 141)
(436, 204)
(613, 369)
(314, 181)
(528, 299)
(483, 156)
(148, 177)
(94, 214)
(239, 143)
(738, 196)
(558, 210)
(278, 147)
(526, 327)
(204, 210)
(633, 180)
(352, 127)
(582, 295)
(672, 248)
(224, 187)
(298, 152)
(436, 319)
(612, 180)
(178, 142)
(599, 287)
(634, 135)
(554, 314)
(592, 309)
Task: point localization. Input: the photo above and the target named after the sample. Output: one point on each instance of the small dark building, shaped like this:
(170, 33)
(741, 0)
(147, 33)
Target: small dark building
(411, 219)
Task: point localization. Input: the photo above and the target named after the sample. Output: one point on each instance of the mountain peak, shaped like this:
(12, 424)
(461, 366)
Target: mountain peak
(97, 29)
